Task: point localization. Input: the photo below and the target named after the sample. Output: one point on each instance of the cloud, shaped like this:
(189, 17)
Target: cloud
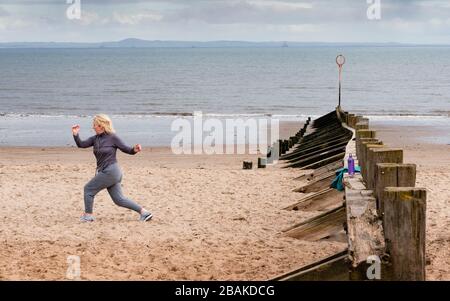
(3, 12)
(89, 17)
(438, 22)
(319, 20)
(295, 28)
(280, 6)
(135, 19)
(241, 11)
(10, 23)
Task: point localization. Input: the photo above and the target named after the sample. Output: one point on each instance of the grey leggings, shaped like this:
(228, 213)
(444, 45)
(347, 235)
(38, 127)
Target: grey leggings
(110, 179)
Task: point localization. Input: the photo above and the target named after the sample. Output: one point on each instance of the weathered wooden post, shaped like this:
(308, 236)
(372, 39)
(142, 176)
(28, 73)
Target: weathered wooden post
(361, 141)
(392, 175)
(284, 146)
(262, 162)
(362, 134)
(301, 133)
(350, 118)
(247, 165)
(364, 163)
(357, 119)
(380, 155)
(273, 153)
(269, 155)
(362, 124)
(345, 118)
(404, 230)
(365, 134)
(352, 121)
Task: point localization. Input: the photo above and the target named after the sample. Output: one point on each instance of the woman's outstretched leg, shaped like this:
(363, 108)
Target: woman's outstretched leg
(115, 191)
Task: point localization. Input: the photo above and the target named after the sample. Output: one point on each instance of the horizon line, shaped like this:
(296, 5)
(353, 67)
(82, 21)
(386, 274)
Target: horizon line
(282, 42)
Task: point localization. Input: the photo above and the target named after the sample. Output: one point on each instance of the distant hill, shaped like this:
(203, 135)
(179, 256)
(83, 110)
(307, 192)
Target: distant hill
(138, 43)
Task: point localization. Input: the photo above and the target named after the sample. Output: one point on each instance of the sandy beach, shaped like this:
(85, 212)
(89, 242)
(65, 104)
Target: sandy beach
(212, 220)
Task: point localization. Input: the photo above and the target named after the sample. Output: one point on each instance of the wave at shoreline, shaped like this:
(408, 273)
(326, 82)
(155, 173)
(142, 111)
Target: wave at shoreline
(376, 116)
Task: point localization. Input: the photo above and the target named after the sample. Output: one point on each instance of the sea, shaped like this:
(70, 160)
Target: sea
(43, 92)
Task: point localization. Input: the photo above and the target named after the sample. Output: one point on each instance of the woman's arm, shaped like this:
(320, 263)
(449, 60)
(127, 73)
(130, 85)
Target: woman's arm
(84, 143)
(80, 143)
(123, 147)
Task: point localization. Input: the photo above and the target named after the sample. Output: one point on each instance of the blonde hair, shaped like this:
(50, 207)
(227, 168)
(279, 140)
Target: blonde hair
(105, 122)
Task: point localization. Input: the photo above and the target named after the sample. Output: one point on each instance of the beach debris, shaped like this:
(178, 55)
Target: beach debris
(262, 162)
(247, 165)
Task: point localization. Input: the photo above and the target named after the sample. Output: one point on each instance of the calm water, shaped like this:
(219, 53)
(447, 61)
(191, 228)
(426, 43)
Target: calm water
(43, 91)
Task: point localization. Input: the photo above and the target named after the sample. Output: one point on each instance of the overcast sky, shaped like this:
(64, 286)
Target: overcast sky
(405, 21)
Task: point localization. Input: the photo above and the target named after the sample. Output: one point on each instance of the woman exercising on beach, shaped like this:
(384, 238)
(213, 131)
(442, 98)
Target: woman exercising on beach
(108, 173)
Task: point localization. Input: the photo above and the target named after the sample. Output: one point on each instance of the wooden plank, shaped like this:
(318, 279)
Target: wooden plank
(307, 174)
(365, 236)
(298, 157)
(355, 183)
(303, 161)
(323, 200)
(316, 185)
(364, 229)
(333, 132)
(324, 162)
(317, 145)
(332, 167)
(333, 268)
(404, 227)
(318, 177)
(307, 197)
(321, 226)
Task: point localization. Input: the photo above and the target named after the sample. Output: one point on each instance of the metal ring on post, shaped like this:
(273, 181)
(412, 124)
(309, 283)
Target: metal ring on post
(340, 60)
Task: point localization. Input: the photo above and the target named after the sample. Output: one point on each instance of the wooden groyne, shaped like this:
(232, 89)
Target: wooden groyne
(380, 211)
(323, 146)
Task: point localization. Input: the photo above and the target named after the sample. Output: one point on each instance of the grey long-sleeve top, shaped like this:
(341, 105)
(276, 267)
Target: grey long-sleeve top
(105, 147)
